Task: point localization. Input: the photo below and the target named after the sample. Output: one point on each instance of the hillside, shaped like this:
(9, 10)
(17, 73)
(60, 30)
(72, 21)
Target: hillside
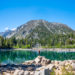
(40, 28)
(6, 33)
(39, 33)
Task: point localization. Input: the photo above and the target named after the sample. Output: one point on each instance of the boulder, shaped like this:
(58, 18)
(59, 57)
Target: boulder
(42, 72)
(38, 59)
(26, 73)
(30, 69)
(16, 72)
(42, 60)
(62, 63)
(21, 72)
(5, 73)
(73, 66)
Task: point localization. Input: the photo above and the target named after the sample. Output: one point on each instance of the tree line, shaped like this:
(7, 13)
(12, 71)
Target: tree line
(54, 41)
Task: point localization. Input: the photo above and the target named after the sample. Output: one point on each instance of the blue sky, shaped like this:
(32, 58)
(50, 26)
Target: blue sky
(13, 13)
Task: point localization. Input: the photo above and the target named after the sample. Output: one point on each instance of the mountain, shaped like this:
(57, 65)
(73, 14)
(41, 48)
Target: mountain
(38, 29)
(6, 33)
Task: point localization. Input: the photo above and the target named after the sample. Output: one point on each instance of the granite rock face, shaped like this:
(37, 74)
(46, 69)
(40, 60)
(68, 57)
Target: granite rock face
(42, 60)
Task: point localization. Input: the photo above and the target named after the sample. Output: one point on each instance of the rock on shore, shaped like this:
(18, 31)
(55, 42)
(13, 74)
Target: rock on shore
(38, 66)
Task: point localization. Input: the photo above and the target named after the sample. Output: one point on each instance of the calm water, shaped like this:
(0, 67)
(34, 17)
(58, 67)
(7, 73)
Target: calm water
(21, 56)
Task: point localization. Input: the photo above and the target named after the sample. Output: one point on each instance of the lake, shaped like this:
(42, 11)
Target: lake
(20, 56)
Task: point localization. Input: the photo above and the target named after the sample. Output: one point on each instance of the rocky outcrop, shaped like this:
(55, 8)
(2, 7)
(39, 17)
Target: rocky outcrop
(32, 67)
(62, 67)
(42, 60)
(38, 66)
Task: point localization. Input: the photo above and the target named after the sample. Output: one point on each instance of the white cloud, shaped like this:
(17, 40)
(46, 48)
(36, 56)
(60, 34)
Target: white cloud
(13, 29)
(6, 28)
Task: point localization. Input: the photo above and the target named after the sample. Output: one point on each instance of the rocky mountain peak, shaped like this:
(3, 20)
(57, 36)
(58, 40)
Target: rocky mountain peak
(37, 28)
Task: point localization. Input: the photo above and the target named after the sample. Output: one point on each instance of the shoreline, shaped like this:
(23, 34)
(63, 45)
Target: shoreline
(39, 66)
(43, 49)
